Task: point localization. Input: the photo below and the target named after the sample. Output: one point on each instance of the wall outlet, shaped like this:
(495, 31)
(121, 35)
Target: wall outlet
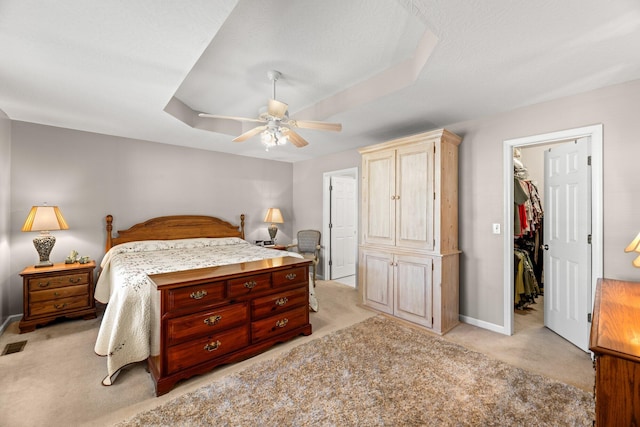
(496, 228)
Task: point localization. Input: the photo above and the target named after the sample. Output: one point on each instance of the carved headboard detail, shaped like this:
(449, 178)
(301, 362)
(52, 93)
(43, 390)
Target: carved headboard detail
(174, 227)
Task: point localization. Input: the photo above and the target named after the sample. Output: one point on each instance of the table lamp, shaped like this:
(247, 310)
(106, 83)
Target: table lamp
(273, 216)
(44, 219)
(634, 246)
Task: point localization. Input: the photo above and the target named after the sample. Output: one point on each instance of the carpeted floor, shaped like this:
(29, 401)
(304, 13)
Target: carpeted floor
(378, 372)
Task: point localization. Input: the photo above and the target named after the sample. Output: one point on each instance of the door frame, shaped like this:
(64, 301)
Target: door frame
(595, 132)
(326, 217)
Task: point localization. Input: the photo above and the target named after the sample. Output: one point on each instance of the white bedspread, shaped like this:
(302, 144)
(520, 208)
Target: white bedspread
(124, 335)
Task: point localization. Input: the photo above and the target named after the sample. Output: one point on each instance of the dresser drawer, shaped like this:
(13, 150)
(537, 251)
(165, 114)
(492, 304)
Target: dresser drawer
(249, 285)
(61, 305)
(275, 325)
(200, 350)
(200, 324)
(292, 276)
(196, 296)
(57, 293)
(50, 282)
(282, 301)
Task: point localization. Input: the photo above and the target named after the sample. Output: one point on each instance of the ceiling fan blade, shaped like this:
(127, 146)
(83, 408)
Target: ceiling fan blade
(295, 139)
(276, 109)
(308, 124)
(248, 134)
(240, 119)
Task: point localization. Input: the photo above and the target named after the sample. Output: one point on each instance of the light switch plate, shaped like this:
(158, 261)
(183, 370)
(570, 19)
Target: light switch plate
(496, 228)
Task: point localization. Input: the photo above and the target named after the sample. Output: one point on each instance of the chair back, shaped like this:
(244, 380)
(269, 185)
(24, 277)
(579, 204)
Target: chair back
(308, 241)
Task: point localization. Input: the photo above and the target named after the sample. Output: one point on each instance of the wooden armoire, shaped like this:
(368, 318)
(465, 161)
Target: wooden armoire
(408, 256)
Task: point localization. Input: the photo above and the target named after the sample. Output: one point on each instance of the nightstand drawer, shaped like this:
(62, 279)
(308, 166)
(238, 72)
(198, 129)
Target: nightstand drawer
(282, 301)
(50, 282)
(61, 305)
(292, 276)
(191, 353)
(249, 285)
(58, 293)
(275, 325)
(189, 327)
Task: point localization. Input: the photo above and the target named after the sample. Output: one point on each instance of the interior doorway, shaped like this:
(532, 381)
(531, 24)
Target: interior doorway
(340, 225)
(594, 133)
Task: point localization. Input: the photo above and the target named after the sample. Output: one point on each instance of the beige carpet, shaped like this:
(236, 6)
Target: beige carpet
(378, 372)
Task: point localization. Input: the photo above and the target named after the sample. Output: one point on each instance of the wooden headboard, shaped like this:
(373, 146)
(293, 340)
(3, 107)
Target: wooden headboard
(175, 227)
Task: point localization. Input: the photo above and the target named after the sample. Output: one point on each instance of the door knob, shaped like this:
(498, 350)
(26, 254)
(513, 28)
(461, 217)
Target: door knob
(546, 247)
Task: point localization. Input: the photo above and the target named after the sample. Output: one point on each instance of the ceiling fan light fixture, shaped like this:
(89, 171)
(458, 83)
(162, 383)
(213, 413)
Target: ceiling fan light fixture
(273, 136)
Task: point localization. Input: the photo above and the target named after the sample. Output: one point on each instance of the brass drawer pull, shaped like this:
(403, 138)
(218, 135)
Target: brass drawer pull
(291, 276)
(76, 280)
(250, 285)
(43, 284)
(198, 294)
(282, 323)
(213, 320)
(60, 306)
(212, 346)
(281, 301)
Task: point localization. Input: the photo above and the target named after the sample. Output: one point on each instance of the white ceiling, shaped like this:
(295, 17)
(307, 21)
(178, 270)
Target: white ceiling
(383, 68)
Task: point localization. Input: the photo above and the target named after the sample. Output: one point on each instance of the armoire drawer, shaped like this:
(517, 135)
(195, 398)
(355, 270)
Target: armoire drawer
(249, 285)
(196, 296)
(290, 277)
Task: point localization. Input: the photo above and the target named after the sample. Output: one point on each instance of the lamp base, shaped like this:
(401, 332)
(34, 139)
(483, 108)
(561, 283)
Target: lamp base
(273, 230)
(44, 243)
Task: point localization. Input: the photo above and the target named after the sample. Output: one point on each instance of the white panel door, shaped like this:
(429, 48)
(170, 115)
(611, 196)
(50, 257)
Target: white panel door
(343, 227)
(567, 226)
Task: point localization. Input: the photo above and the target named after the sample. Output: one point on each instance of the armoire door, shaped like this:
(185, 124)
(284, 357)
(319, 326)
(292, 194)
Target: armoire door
(376, 270)
(413, 278)
(378, 198)
(415, 196)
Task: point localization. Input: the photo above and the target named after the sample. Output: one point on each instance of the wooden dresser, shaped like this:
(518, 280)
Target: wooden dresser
(615, 341)
(207, 317)
(57, 291)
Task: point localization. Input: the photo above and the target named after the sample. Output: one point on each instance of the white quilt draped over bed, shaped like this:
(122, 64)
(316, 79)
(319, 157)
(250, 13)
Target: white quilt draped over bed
(125, 331)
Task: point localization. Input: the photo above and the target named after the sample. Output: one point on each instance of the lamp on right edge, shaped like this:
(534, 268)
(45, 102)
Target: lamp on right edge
(634, 246)
(274, 217)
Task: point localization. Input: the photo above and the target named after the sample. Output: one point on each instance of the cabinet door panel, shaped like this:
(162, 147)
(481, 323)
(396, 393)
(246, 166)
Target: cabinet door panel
(378, 202)
(414, 297)
(414, 196)
(378, 276)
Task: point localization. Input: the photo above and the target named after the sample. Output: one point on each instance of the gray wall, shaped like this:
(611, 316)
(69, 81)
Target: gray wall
(481, 187)
(89, 176)
(6, 290)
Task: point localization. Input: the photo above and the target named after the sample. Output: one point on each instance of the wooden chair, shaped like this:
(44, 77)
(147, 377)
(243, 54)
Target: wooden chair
(309, 247)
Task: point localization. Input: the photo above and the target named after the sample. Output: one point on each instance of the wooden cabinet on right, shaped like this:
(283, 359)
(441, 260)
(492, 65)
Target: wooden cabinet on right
(409, 252)
(615, 341)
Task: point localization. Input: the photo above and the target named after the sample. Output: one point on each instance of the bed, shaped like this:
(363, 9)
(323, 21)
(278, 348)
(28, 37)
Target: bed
(173, 283)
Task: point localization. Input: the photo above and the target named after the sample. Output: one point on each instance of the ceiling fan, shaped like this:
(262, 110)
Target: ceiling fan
(276, 124)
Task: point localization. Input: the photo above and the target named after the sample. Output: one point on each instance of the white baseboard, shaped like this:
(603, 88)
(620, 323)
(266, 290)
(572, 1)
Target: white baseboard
(9, 320)
(482, 324)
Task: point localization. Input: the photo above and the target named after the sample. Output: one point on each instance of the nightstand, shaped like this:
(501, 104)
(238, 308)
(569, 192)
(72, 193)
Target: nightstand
(57, 291)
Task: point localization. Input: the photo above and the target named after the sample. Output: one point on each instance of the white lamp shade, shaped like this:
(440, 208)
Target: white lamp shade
(45, 218)
(273, 216)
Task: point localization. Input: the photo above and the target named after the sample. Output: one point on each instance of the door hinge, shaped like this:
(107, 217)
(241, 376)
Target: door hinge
(434, 195)
(432, 267)
(589, 239)
(330, 225)
(330, 187)
(588, 160)
(330, 262)
(589, 317)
